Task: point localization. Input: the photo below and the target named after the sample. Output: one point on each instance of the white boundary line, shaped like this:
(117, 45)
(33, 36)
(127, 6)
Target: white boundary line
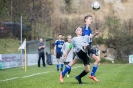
(34, 74)
(10, 79)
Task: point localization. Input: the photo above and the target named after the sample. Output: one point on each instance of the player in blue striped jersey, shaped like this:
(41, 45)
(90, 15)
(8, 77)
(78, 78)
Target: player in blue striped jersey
(57, 51)
(88, 32)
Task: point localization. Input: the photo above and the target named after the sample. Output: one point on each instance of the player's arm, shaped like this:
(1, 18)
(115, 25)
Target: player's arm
(96, 33)
(55, 50)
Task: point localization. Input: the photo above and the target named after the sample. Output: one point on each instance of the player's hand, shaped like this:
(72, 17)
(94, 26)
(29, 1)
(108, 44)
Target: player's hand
(96, 32)
(65, 55)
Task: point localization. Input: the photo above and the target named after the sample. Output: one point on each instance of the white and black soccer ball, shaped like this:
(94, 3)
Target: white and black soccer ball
(95, 5)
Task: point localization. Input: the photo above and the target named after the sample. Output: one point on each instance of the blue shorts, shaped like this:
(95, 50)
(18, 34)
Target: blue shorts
(58, 55)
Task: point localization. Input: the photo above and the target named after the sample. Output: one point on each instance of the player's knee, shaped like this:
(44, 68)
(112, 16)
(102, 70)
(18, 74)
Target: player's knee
(98, 59)
(87, 70)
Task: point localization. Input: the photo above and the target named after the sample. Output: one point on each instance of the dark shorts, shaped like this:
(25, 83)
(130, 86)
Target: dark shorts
(83, 56)
(92, 50)
(66, 63)
(58, 55)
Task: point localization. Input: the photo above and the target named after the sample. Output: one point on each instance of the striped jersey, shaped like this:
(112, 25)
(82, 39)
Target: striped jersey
(59, 44)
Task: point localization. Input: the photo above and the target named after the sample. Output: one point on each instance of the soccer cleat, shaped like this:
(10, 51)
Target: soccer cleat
(61, 78)
(79, 79)
(57, 69)
(93, 78)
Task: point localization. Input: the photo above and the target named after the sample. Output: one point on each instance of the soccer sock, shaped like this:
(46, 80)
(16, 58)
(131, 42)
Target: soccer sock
(62, 65)
(67, 68)
(57, 66)
(83, 73)
(94, 69)
(69, 71)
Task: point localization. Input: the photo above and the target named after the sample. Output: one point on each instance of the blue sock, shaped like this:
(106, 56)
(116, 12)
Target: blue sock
(94, 69)
(67, 68)
(62, 65)
(57, 66)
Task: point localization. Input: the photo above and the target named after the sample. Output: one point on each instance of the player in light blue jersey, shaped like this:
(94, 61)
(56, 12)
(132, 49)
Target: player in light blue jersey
(70, 55)
(88, 32)
(81, 46)
(57, 51)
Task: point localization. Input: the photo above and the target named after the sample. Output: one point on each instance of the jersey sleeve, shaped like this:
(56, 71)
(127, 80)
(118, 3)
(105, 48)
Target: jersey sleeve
(70, 46)
(55, 43)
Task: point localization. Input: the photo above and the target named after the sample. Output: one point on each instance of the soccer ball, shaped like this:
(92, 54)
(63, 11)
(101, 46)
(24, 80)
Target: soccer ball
(95, 5)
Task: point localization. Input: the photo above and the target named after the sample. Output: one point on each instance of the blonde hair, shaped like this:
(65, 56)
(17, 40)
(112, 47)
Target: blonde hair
(69, 36)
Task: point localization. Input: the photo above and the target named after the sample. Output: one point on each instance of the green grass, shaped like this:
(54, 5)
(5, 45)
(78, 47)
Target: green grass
(8, 46)
(109, 75)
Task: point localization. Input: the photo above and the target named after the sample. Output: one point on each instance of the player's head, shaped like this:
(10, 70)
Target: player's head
(69, 37)
(59, 36)
(41, 40)
(88, 19)
(78, 31)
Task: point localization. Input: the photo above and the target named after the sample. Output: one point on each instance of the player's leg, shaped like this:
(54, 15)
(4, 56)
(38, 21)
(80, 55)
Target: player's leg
(58, 61)
(83, 56)
(68, 75)
(62, 64)
(95, 66)
(67, 68)
(66, 63)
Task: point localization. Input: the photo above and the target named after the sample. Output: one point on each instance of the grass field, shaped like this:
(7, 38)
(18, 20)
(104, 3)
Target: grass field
(109, 75)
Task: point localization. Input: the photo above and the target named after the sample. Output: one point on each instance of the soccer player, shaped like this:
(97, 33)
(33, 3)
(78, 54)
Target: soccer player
(80, 44)
(70, 55)
(57, 51)
(88, 32)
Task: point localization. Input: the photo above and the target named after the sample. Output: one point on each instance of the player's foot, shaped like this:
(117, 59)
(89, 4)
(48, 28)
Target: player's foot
(57, 69)
(61, 78)
(61, 69)
(93, 78)
(68, 75)
(79, 79)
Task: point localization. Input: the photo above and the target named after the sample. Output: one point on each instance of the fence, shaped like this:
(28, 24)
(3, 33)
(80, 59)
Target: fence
(16, 60)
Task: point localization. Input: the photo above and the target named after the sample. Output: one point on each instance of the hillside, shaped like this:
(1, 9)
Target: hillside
(9, 46)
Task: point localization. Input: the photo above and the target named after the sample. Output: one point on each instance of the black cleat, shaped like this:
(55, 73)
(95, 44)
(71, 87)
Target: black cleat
(79, 79)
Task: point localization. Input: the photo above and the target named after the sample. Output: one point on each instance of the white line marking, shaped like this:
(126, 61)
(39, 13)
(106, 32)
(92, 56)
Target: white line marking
(34, 74)
(76, 67)
(10, 79)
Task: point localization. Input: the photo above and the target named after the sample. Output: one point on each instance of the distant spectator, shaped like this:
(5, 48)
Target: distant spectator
(41, 47)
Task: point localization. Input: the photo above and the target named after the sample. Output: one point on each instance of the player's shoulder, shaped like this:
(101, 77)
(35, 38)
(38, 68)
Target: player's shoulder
(56, 41)
(62, 40)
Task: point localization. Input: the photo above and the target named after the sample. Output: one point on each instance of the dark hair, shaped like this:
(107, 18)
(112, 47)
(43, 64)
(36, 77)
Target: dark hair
(59, 34)
(87, 17)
